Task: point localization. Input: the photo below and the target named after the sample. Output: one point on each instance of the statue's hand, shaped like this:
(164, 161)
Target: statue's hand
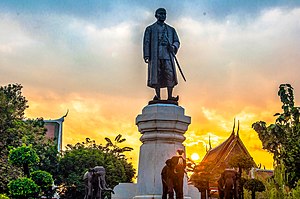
(146, 59)
(172, 49)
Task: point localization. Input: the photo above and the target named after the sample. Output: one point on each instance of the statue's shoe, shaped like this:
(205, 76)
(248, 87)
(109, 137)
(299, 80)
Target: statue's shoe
(174, 98)
(156, 98)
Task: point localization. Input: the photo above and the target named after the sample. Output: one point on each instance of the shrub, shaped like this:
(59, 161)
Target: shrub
(23, 156)
(42, 178)
(45, 181)
(3, 196)
(23, 188)
(254, 185)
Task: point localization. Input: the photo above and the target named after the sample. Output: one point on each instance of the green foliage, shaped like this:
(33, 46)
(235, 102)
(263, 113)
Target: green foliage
(12, 105)
(295, 193)
(78, 158)
(23, 188)
(242, 162)
(254, 185)
(3, 196)
(44, 180)
(23, 156)
(7, 172)
(283, 137)
(200, 174)
(114, 149)
(276, 188)
(15, 131)
(49, 157)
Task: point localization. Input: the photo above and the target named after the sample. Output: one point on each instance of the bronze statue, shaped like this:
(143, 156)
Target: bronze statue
(161, 43)
(95, 184)
(172, 176)
(227, 185)
(179, 163)
(167, 176)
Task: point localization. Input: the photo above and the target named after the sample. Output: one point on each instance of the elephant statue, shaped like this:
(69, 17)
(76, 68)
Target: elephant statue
(227, 185)
(172, 176)
(95, 184)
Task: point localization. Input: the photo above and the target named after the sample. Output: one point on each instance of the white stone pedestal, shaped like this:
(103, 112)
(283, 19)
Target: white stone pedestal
(162, 127)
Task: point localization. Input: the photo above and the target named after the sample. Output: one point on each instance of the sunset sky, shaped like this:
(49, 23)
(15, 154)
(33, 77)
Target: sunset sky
(86, 56)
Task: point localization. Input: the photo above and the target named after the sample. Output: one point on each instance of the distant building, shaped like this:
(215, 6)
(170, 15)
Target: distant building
(55, 130)
(261, 173)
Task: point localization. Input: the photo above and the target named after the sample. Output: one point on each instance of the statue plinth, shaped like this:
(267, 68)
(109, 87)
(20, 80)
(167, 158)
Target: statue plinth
(163, 102)
(162, 127)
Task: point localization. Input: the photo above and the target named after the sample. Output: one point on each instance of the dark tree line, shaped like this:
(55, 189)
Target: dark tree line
(67, 168)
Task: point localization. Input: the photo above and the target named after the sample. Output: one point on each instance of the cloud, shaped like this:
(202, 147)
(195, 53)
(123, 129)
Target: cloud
(117, 11)
(240, 62)
(92, 64)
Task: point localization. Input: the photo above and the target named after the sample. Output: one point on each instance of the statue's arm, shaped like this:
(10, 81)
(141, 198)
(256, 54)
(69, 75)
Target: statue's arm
(176, 42)
(146, 44)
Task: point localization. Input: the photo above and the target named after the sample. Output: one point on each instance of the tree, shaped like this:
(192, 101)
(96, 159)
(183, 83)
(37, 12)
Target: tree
(254, 185)
(114, 149)
(45, 181)
(283, 137)
(200, 176)
(78, 158)
(12, 106)
(241, 162)
(23, 188)
(16, 130)
(23, 156)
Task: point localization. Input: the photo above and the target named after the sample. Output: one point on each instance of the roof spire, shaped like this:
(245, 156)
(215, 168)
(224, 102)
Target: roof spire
(237, 133)
(233, 127)
(209, 142)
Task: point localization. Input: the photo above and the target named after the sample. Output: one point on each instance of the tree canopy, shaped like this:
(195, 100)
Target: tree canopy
(78, 158)
(16, 130)
(283, 137)
(23, 188)
(23, 156)
(67, 168)
(254, 185)
(241, 162)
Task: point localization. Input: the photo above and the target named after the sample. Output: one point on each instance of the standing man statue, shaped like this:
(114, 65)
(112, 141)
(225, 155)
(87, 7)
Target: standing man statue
(161, 43)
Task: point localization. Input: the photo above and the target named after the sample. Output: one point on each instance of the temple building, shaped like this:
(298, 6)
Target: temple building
(217, 159)
(55, 130)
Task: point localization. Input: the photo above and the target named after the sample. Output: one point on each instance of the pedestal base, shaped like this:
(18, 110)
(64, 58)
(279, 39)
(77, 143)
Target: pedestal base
(162, 127)
(154, 197)
(128, 191)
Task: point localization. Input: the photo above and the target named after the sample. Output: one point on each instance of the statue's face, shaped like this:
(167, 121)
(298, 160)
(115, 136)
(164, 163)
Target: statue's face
(161, 15)
(99, 171)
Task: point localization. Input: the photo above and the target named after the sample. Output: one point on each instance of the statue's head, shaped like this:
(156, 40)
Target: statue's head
(161, 14)
(99, 170)
(180, 152)
(169, 162)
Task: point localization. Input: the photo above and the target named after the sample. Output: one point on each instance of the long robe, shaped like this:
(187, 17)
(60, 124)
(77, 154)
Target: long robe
(150, 49)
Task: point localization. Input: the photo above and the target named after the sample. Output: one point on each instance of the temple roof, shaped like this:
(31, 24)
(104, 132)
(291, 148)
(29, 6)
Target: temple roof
(218, 157)
(233, 145)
